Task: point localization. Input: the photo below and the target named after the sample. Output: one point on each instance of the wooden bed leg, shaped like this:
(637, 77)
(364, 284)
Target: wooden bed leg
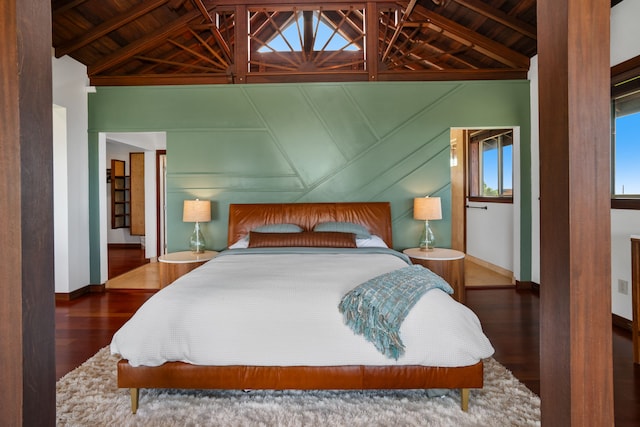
(135, 394)
(464, 399)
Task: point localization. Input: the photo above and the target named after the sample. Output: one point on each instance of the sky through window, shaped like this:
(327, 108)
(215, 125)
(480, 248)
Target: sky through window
(290, 33)
(627, 154)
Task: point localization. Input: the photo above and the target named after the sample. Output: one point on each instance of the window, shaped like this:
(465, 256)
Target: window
(491, 165)
(626, 146)
(625, 135)
(290, 38)
(286, 39)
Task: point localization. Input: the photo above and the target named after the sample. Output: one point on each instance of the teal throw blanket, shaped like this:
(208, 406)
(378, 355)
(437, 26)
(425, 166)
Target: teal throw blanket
(377, 307)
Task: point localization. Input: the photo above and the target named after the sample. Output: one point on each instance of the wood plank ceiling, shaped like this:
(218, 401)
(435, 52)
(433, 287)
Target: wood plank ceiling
(141, 42)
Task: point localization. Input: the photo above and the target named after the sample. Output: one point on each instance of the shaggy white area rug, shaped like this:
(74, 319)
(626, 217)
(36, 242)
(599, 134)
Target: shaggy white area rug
(88, 396)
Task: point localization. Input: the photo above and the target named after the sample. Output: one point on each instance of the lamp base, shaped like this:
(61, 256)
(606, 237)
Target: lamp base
(196, 242)
(428, 239)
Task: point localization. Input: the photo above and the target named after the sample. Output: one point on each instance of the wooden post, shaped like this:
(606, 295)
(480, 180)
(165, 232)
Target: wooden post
(27, 354)
(372, 44)
(575, 290)
(241, 54)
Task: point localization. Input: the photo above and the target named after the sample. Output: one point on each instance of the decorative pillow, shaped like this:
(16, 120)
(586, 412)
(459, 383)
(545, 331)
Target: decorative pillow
(278, 228)
(304, 239)
(243, 242)
(372, 242)
(360, 231)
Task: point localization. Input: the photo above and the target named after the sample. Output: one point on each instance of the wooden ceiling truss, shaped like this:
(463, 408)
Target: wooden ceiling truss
(133, 42)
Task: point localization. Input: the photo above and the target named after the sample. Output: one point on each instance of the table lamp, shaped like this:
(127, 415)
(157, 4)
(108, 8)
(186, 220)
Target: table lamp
(426, 208)
(196, 211)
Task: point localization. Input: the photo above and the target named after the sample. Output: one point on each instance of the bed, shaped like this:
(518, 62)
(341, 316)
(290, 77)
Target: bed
(293, 335)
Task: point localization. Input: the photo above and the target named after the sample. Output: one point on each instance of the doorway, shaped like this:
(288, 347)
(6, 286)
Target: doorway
(148, 143)
(161, 171)
(485, 226)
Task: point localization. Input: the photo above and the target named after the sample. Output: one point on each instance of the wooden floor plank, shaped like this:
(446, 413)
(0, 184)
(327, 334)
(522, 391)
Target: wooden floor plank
(146, 276)
(122, 259)
(477, 275)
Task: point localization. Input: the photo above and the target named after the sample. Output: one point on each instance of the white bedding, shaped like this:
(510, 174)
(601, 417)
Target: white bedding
(282, 310)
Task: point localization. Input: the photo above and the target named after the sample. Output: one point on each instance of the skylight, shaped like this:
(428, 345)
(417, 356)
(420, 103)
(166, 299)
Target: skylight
(289, 38)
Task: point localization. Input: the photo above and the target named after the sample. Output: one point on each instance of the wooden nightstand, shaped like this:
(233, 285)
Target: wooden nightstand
(176, 264)
(446, 263)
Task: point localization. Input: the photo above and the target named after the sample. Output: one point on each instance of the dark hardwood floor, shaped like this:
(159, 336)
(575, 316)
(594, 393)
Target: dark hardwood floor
(510, 319)
(86, 324)
(123, 258)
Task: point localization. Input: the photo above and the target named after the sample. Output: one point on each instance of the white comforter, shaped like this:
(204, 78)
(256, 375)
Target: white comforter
(282, 310)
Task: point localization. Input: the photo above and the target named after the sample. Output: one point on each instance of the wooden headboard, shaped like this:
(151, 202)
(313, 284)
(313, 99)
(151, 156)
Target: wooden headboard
(376, 216)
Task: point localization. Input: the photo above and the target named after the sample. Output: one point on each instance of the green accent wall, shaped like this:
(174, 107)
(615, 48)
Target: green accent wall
(309, 143)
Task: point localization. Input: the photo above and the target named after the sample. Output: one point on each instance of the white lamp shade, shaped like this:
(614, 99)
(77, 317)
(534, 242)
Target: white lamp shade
(427, 208)
(196, 211)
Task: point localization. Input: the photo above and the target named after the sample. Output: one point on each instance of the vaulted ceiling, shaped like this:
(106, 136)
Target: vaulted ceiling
(141, 42)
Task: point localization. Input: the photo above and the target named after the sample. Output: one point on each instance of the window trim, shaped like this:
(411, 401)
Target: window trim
(625, 203)
(496, 199)
(624, 79)
(473, 166)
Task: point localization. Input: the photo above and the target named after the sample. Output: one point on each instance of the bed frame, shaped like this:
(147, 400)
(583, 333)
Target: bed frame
(376, 216)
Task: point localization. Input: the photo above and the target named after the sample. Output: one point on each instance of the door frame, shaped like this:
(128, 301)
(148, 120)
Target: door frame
(161, 203)
(459, 189)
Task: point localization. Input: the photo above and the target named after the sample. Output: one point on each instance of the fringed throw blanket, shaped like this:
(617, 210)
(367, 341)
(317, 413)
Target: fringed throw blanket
(377, 307)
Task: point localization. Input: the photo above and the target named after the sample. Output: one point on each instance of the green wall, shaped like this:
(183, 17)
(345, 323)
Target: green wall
(311, 142)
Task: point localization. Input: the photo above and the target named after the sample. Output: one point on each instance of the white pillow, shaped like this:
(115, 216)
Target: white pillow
(243, 243)
(372, 242)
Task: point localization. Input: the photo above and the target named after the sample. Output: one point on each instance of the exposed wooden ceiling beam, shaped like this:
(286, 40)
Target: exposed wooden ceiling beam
(198, 55)
(209, 48)
(435, 57)
(221, 78)
(500, 17)
(521, 7)
(453, 54)
(161, 79)
(484, 45)
(399, 47)
(176, 4)
(453, 75)
(177, 64)
(214, 29)
(109, 26)
(282, 5)
(419, 39)
(151, 66)
(396, 33)
(353, 26)
(281, 55)
(132, 49)
(59, 7)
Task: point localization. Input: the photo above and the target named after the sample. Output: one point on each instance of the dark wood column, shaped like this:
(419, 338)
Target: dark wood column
(575, 360)
(27, 365)
(241, 52)
(371, 30)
